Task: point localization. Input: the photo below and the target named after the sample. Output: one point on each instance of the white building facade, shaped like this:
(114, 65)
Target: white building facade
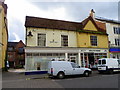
(113, 31)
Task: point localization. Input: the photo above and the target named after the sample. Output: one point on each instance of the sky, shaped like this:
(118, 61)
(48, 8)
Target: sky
(69, 10)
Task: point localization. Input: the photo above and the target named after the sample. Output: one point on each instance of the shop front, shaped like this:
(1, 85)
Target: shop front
(36, 59)
(89, 57)
(115, 52)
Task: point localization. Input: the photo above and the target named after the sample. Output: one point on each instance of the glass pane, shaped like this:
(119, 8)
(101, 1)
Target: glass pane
(103, 61)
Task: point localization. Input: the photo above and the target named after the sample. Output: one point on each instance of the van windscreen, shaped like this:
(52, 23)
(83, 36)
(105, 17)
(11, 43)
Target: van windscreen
(99, 62)
(103, 61)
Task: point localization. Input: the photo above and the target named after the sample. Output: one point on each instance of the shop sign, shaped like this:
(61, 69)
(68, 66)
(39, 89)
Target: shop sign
(97, 50)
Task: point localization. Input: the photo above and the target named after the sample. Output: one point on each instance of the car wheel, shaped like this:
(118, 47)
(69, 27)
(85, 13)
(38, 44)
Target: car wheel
(86, 73)
(61, 75)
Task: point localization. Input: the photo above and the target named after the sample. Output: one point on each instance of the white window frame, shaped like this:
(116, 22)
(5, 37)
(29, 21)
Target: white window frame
(38, 40)
(62, 41)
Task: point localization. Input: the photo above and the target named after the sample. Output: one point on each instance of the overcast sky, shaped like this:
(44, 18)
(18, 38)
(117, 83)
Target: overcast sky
(72, 10)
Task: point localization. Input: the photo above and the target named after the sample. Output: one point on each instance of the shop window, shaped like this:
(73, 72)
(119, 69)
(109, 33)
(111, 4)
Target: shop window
(28, 54)
(43, 54)
(55, 54)
(62, 54)
(35, 54)
(42, 40)
(73, 59)
(93, 40)
(49, 54)
(64, 40)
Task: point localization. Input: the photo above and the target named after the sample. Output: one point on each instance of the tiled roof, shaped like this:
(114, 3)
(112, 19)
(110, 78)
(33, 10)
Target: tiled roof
(51, 23)
(12, 44)
(60, 24)
(101, 25)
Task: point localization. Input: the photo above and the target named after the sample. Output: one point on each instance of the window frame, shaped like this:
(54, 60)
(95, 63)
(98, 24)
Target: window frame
(74, 65)
(94, 41)
(117, 42)
(43, 40)
(116, 30)
(63, 42)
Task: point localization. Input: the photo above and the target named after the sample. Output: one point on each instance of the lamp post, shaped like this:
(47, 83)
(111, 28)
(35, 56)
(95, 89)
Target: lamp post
(29, 34)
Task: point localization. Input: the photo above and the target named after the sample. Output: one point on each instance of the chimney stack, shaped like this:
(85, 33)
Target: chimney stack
(92, 13)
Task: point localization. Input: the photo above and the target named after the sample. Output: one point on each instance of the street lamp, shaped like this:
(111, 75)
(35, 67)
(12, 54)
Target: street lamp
(29, 34)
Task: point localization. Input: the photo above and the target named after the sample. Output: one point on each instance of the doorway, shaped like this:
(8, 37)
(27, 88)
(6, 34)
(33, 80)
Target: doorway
(91, 59)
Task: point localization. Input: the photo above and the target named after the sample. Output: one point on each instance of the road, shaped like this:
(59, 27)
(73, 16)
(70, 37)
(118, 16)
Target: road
(96, 80)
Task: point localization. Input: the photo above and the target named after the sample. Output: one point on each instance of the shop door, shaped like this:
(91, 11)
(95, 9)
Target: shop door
(38, 65)
(91, 59)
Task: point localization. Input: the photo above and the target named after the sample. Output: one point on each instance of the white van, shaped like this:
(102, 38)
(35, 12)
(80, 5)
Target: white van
(109, 65)
(62, 68)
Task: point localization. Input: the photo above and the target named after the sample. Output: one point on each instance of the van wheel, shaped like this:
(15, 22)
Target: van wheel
(111, 71)
(60, 75)
(100, 72)
(86, 74)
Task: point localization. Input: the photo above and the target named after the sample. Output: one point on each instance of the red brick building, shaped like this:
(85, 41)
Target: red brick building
(16, 55)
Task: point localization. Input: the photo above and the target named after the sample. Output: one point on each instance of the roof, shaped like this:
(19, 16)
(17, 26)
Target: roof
(99, 25)
(51, 23)
(12, 44)
(108, 20)
(62, 25)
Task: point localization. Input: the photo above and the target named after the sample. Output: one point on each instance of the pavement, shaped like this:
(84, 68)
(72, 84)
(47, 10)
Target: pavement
(16, 70)
(20, 74)
(15, 78)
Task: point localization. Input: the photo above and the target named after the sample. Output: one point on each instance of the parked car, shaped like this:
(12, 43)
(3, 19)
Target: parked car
(63, 68)
(108, 65)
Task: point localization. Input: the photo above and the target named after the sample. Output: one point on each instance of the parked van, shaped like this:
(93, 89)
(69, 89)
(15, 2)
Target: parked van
(109, 65)
(63, 68)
